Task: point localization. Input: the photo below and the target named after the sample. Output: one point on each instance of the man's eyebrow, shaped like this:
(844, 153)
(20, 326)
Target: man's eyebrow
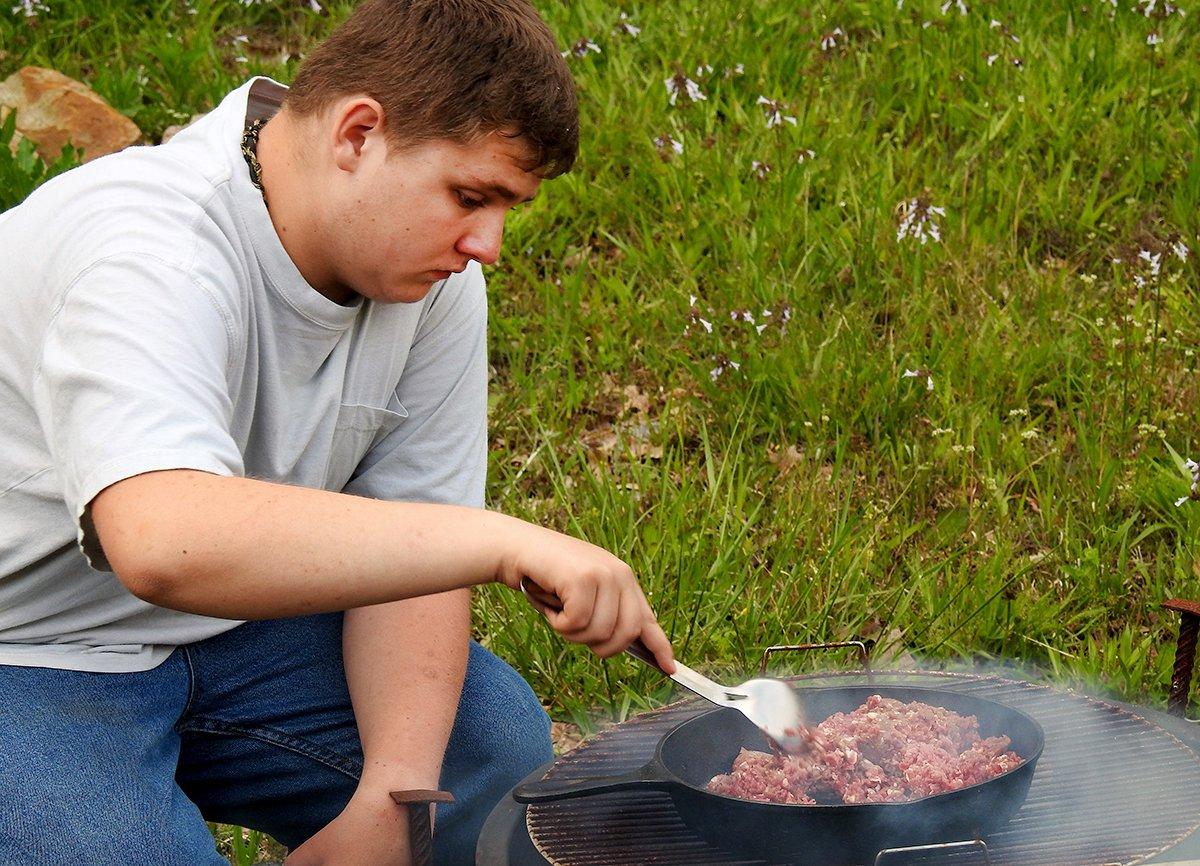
(503, 192)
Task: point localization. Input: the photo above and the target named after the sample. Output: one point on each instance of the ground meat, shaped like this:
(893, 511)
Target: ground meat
(886, 751)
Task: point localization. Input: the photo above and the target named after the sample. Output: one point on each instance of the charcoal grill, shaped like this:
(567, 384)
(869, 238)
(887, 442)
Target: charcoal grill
(1117, 784)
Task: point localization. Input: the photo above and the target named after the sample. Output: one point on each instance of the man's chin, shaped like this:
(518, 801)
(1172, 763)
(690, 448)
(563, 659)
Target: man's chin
(408, 293)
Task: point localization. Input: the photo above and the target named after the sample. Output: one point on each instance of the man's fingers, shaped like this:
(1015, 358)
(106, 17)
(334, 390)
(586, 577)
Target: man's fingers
(606, 614)
(625, 630)
(579, 602)
(656, 641)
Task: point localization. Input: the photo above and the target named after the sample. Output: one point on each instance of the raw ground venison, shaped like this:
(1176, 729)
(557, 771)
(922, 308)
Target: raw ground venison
(886, 751)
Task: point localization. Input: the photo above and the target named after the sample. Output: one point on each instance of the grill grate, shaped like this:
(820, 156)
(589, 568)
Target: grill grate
(1110, 788)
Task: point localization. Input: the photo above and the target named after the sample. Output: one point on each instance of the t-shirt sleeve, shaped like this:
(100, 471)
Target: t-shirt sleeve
(438, 453)
(134, 378)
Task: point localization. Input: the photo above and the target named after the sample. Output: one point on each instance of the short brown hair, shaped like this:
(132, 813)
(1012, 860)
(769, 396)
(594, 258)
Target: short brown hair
(454, 69)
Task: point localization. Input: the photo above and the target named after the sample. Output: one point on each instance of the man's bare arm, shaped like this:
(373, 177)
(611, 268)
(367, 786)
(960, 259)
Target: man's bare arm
(405, 664)
(245, 549)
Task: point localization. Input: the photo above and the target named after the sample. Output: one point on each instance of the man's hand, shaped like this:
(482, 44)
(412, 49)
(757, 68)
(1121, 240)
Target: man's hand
(602, 604)
(371, 831)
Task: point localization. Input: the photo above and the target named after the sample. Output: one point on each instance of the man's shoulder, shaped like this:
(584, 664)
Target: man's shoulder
(139, 202)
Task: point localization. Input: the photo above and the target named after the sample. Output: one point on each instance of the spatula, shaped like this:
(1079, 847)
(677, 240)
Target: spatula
(771, 704)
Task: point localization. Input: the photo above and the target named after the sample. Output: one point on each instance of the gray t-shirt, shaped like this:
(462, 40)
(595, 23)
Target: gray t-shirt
(151, 319)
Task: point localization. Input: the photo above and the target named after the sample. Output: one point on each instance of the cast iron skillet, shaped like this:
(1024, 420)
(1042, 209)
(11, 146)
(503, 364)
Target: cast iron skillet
(694, 751)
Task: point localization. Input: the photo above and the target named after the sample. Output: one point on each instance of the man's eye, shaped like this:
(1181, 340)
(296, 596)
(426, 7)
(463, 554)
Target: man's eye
(468, 202)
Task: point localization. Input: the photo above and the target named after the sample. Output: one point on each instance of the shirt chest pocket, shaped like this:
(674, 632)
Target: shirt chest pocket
(359, 427)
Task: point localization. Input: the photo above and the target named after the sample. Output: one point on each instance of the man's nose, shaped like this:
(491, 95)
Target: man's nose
(482, 242)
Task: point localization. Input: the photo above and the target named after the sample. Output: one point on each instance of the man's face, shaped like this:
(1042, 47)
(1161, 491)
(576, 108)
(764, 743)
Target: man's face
(407, 218)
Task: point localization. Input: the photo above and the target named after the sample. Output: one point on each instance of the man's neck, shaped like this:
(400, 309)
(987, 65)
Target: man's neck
(287, 185)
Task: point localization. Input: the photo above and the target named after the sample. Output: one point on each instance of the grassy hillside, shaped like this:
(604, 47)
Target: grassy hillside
(888, 332)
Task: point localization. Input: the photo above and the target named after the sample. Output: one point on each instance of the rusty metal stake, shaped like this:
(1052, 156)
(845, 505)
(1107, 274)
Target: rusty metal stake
(1185, 654)
(420, 820)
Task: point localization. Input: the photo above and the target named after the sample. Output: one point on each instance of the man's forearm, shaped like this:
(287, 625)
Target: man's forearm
(405, 664)
(246, 549)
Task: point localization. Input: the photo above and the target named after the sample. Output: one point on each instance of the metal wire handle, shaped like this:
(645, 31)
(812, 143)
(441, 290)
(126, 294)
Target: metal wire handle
(940, 846)
(864, 654)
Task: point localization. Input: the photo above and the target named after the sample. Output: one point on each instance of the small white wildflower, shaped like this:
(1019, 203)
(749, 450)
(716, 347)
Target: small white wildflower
(581, 48)
(805, 154)
(1194, 468)
(761, 169)
(941, 431)
(667, 145)
(738, 69)
(774, 110)
(959, 449)
(704, 69)
(315, 6)
(992, 58)
(1031, 433)
(742, 316)
(1019, 64)
(1180, 249)
(1151, 8)
(707, 324)
(1018, 413)
(994, 24)
(760, 328)
(680, 83)
(962, 7)
(829, 40)
(1087, 279)
(1152, 259)
(723, 364)
(1153, 39)
(624, 25)
(30, 8)
(917, 374)
(916, 220)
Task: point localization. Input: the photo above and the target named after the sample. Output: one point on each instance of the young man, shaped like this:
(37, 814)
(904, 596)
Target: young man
(243, 388)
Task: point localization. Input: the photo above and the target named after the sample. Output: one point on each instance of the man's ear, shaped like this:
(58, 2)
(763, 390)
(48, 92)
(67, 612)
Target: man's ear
(357, 129)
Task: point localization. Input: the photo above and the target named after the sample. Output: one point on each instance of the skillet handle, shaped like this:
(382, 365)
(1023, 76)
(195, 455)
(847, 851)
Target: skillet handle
(651, 777)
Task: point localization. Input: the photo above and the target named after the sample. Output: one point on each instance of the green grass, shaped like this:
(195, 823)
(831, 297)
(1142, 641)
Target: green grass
(1022, 510)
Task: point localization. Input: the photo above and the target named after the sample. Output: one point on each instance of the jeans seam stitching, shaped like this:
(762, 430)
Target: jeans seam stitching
(191, 672)
(273, 737)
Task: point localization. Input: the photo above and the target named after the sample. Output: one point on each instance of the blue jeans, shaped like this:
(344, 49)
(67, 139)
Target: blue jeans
(251, 727)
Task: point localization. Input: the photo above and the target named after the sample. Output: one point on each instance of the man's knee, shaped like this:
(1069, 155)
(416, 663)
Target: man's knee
(501, 726)
(501, 734)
